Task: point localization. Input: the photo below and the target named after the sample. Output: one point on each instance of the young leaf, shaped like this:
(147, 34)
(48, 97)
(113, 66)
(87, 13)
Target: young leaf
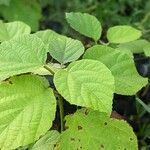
(65, 49)
(127, 79)
(86, 24)
(21, 55)
(134, 46)
(23, 10)
(13, 29)
(122, 34)
(47, 142)
(27, 109)
(86, 83)
(89, 130)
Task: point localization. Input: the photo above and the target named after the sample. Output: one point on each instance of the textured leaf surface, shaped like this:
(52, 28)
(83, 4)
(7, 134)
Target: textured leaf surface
(127, 79)
(86, 24)
(65, 49)
(86, 83)
(134, 46)
(122, 34)
(13, 29)
(47, 142)
(21, 55)
(28, 11)
(27, 109)
(94, 130)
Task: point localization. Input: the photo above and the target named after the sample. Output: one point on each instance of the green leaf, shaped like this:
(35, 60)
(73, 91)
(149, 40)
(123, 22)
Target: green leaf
(61, 48)
(27, 109)
(147, 49)
(13, 29)
(86, 83)
(46, 36)
(21, 55)
(122, 34)
(89, 130)
(47, 142)
(86, 24)
(134, 46)
(65, 49)
(23, 10)
(127, 79)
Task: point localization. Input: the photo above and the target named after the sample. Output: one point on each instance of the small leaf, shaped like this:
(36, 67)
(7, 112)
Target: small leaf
(47, 142)
(147, 49)
(127, 79)
(134, 46)
(65, 49)
(123, 34)
(13, 29)
(86, 83)
(21, 55)
(86, 24)
(28, 11)
(89, 130)
(27, 109)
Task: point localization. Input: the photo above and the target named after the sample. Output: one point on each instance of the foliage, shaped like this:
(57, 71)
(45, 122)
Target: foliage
(28, 103)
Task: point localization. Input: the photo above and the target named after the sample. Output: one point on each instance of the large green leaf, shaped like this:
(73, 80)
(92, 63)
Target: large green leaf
(27, 109)
(86, 24)
(65, 49)
(47, 142)
(134, 46)
(13, 29)
(86, 83)
(127, 79)
(122, 34)
(21, 55)
(87, 130)
(28, 11)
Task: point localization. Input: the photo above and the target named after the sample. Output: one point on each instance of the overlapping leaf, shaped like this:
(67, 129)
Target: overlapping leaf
(46, 36)
(89, 130)
(86, 83)
(21, 55)
(47, 142)
(13, 29)
(86, 24)
(122, 34)
(65, 49)
(27, 109)
(61, 48)
(136, 46)
(127, 79)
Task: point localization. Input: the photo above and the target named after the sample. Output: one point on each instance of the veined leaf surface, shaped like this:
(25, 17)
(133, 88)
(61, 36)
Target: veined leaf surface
(27, 109)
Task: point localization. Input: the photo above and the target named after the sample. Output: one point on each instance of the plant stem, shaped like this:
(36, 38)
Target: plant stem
(61, 110)
(47, 68)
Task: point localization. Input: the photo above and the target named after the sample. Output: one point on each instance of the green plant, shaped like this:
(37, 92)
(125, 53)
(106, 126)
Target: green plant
(28, 103)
